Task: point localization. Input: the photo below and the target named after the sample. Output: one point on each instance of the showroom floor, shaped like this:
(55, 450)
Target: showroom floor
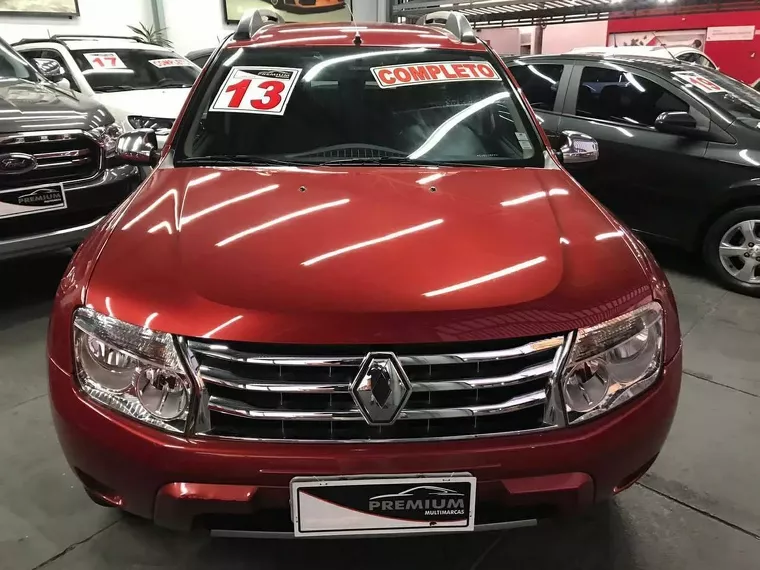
(698, 508)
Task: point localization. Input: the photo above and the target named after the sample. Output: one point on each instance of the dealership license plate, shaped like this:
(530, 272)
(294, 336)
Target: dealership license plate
(367, 505)
(33, 200)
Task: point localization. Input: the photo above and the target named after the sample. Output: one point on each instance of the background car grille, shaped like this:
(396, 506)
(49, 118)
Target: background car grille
(259, 392)
(60, 158)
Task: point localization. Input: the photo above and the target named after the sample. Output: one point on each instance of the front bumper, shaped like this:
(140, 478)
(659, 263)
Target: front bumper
(90, 201)
(224, 484)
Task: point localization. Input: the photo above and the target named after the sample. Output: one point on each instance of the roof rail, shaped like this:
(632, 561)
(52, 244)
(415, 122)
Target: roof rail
(252, 20)
(454, 22)
(60, 39)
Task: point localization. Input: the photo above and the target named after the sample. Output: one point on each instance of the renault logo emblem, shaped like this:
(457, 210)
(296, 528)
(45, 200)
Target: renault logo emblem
(17, 163)
(381, 388)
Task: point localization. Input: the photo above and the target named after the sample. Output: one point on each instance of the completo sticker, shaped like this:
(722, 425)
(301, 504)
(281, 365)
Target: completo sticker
(443, 72)
(105, 60)
(256, 89)
(699, 81)
(170, 62)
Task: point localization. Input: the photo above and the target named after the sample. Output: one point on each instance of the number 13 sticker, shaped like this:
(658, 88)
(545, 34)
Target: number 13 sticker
(256, 89)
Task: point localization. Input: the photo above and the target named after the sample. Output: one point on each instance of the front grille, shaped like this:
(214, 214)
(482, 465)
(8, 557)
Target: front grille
(261, 392)
(63, 157)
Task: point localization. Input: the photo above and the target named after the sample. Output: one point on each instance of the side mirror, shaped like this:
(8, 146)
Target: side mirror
(139, 148)
(578, 148)
(676, 123)
(50, 69)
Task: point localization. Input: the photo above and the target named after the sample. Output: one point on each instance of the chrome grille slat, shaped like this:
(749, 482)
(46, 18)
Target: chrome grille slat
(223, 352)
(225, 378)
(291, 393)
(226, 406)
(62, 156)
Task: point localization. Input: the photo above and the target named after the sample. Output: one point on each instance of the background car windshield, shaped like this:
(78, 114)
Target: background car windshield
(13, 65)
(339, 112)
(133, 69)
(734, 97)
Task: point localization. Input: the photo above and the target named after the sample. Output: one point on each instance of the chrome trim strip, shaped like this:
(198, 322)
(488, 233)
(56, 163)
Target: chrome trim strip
(62, 154)
(51, 136)
(229, 380)
(56, 233)
(235, 408)
(489, 527)
(72, 162)
(223, 352)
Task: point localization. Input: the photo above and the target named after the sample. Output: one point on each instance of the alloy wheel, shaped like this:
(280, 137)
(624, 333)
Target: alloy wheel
(739, 251)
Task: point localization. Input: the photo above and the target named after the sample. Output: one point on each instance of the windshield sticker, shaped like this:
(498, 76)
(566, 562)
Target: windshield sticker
(171, 62)
(256, 89)
(420, 73)
(700, 82)
(105, 60)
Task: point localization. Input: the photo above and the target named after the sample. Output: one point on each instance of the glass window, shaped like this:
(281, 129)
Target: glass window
(728, 94)
(620, 96)
(689, 57)
(704, 62)
(336, 112)
(13, 65)
(539, 83)
(132, 69)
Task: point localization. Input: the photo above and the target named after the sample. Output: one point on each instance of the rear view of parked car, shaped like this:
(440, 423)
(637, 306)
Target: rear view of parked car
(679, 150)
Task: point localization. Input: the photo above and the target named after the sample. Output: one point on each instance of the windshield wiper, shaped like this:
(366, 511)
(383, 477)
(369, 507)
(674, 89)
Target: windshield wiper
(170, 85)
(113, 88)
(404, 161)
(238, 160)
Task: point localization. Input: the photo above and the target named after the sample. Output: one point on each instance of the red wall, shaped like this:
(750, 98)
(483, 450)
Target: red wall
(739, 59)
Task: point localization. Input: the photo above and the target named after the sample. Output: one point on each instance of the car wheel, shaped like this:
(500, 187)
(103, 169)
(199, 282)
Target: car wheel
(732, 250)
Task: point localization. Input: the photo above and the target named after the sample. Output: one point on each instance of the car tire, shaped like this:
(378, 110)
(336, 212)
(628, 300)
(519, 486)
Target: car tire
(727, 250)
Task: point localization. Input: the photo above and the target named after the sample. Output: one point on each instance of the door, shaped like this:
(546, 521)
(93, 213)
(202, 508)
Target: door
(643, 176)
(544, 85)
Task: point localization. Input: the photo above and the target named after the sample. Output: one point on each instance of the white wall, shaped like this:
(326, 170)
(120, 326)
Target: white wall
(97, 17)
(370, 10)
(195, 24)
(504, 41)
(561, 38)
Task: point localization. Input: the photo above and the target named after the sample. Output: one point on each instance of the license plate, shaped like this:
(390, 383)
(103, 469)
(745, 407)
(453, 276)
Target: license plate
(370, 505)
(32, 200)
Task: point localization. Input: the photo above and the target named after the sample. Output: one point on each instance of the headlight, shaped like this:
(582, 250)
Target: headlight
(106, 137)
(612, 362)
(161, 126)
(130, 369)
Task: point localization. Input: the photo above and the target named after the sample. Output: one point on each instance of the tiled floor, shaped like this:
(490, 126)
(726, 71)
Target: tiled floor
(698, 508)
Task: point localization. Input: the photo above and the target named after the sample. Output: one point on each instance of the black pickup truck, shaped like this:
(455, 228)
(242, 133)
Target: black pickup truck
(58, 172)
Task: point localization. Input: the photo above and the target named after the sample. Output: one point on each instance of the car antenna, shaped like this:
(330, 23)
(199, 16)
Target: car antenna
(663, 46)
(357, 37)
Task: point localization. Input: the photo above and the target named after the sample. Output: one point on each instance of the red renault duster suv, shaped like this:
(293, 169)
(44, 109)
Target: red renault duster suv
(359, 294)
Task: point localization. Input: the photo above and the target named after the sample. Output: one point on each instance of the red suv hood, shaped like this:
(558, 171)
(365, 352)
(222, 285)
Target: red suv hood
(364, 255)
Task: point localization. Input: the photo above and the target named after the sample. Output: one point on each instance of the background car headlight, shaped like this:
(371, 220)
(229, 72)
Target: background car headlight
(612, 362)
(106, 137)
(130, 369)
(161, 126)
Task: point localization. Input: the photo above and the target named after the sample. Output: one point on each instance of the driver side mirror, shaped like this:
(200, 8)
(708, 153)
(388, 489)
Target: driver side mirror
(50, 69)
(676, 123)
(578, 148)
(139, 148)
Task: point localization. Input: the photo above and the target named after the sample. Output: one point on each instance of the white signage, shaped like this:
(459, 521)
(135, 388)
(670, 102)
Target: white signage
(730, 33)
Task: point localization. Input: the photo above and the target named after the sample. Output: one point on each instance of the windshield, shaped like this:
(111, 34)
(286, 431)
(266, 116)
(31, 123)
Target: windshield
(357, 105)
(127, 69)
(729, 95)
(13, 65)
